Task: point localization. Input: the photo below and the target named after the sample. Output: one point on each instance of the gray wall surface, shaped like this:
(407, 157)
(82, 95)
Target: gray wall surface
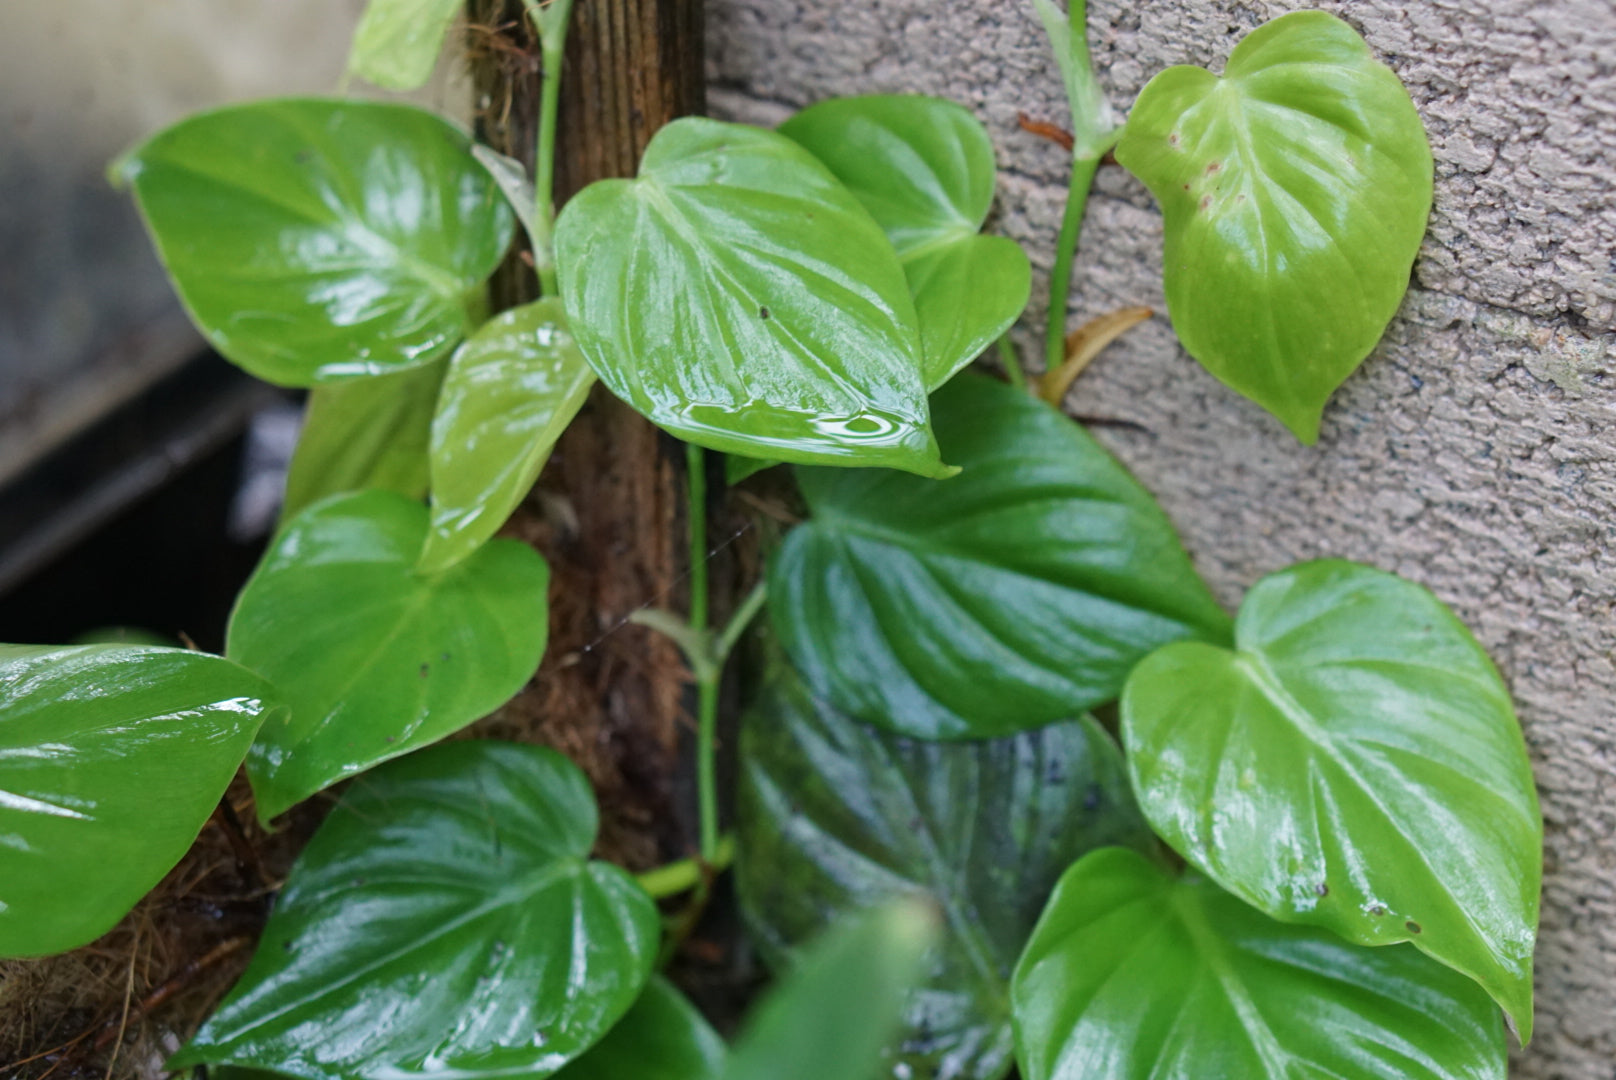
(1474, 452)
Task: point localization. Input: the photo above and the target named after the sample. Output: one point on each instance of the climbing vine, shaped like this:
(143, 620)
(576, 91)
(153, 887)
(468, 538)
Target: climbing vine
(1308, 842)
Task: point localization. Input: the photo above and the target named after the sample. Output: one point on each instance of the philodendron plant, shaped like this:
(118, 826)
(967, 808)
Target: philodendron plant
(1315, 852)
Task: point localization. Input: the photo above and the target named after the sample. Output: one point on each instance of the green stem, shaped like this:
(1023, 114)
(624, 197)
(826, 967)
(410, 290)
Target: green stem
(1012, 363)
(686, 874)
(707, 675)
(738, 623)
(552, 25)
(1060, 277)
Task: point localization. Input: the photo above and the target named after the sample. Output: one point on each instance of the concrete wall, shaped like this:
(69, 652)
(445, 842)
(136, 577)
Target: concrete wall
(1475, 452)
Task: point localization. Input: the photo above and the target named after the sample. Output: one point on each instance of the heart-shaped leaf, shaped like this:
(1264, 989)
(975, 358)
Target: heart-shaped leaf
(444, 921)
(924, 170)
(663, 1037)
(1131, 975)
(1018, 593)
(398, 41)
(111, 760)
(364, 433)
(834, 817)
(510, 392)
(374, 658)
(1295, 190)
(740, 297)
(1355, 764)
(314, 240)
(836, 1014)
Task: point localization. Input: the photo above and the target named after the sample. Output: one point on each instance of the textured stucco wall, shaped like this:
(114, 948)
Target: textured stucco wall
(1475, 451)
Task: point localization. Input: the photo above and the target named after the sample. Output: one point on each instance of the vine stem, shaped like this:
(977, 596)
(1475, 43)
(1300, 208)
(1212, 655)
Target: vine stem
(1011, 362)
(551, 21)
(686, 874)
(1060, 277)
(708, 674)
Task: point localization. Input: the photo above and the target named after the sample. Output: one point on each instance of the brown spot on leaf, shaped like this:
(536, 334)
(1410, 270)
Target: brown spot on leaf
(1413, 927)
(1213, 166)
(1376, 910)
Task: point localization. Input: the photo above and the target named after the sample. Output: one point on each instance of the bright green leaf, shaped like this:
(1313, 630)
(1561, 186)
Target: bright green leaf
(834, 817)
(364, 433)
(444, 921)
(398, 41)
(374, 658)
(663, 1037)
(510, 392)
(1134, 976)
(835, 1016)
(740, 297)
(112, 758)
(1018, 593)
(924, 169)
(1295, 191)
(1354, 764)
(314, 240)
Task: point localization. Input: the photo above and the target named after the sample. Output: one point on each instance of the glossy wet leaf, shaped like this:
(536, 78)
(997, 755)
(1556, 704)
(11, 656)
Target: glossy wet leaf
(663, 1037)
(313, 240)
(398, 41)
(834, 817)
(1295, 190)
(740, 297)
(1354, 764)
(373, 658)
(924, 169)
(444, 921)
(364, 433)
(1132, 975)
(1017, 593)
(112, 758)
(511, 390)
(835, 1016)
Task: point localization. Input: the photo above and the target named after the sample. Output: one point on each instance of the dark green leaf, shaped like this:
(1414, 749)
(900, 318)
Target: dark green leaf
(364, 433)
(835, 1016)
(1295, 190)
(374, 658)
(314, 240)
(444, 922)
(511, 390)
(924, 169)
(834, 816)
(1366, 768)
(398, 41)
(738, 295)
(111, 760)
(663, 1037)
(1133, 976)
(1018, 593)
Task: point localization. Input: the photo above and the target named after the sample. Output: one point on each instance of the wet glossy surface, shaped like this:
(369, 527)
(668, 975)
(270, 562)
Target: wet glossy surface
(313, 240)
(1296, 190)
(510, 392)
(741, 298)
(834, 816)
(112, 758)
(373, 658)
(444, 921)
(1018, 593)
(838, 1011)
(924, 168)
(1134, 976)
(663, 1037)
(365, 433)
(1356, 765)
